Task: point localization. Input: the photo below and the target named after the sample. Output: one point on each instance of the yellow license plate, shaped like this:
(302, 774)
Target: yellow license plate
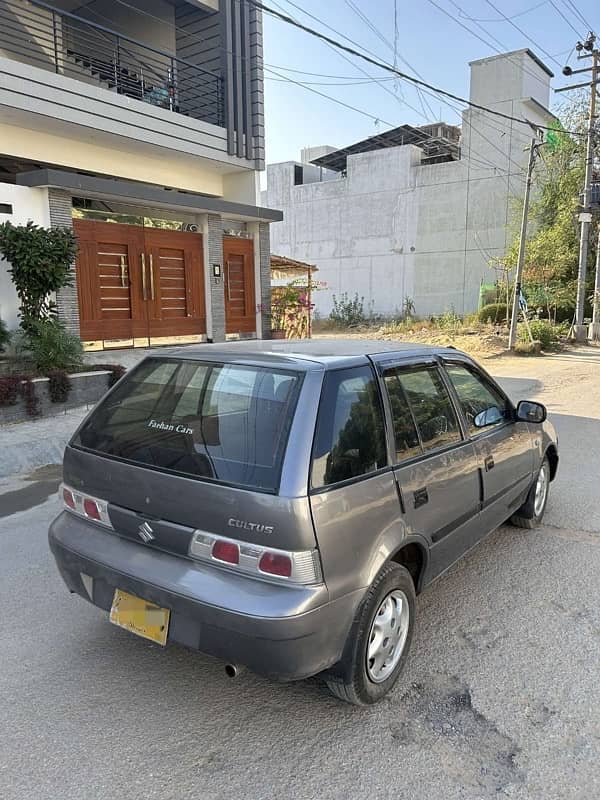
(139, 616)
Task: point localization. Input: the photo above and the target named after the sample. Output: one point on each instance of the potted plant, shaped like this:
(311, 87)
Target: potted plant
(278, 314)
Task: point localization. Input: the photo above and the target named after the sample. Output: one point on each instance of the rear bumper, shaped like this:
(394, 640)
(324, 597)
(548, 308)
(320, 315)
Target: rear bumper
(282, 632)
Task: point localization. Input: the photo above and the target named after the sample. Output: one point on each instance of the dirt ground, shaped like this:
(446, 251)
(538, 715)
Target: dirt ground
(489, 343)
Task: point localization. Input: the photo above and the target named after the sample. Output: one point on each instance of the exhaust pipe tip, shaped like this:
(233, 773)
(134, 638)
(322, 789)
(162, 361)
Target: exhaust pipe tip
(233, 670)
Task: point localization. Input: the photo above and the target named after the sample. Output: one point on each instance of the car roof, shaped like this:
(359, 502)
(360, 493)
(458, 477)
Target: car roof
(303, 353)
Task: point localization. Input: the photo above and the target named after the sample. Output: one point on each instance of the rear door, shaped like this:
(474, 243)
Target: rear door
(353, 493)
(435, 467)
(504, 449)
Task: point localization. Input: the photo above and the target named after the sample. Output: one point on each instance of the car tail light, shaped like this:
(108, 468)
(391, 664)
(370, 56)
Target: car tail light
(90, 508)
(68, 499)
(252, 560)
(86, 506)
(226, 551)
(276, 564)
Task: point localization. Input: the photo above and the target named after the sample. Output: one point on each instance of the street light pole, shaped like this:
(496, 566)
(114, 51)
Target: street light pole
(512, 338)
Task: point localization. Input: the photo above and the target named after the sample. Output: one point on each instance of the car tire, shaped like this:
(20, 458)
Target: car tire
(532, 511)
(383, 627)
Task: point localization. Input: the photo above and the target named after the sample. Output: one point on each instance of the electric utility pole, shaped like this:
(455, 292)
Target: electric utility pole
(512, 338)
(585, 217)
(594, 331)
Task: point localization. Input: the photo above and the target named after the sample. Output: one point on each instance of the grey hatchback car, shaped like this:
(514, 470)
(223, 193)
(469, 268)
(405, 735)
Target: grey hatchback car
(279, 505)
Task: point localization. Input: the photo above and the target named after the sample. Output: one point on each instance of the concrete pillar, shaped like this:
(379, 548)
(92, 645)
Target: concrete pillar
(60, 204)
(215, 289)
(264, 268)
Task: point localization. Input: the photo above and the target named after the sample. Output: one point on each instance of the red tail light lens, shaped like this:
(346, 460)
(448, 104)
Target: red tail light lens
(68, 499)
(91, 509)
(226, 551)
(276, 564)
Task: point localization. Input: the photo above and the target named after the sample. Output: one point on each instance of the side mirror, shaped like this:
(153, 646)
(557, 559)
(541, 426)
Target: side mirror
(528, 411)
(490, 416)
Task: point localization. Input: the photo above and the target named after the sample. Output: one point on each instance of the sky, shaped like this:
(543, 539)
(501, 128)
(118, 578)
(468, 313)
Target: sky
(432, 42)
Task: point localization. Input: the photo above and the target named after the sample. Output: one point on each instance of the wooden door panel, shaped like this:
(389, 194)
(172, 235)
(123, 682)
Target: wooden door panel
(110, 305)
(240, 308)
(177, 307)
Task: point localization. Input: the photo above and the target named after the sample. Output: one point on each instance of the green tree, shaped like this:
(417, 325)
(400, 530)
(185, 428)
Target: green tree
(40, 263)
(552, 252)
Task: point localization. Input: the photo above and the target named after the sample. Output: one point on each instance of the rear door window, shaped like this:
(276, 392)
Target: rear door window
(222, 422)
(431, 405)
(350, 435)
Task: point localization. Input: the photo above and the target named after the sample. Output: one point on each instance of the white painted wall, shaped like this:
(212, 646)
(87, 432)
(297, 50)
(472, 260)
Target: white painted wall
(28, 204)
(394, 228)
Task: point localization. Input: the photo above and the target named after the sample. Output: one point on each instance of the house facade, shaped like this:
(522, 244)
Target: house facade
(140, 124)
(417, 214)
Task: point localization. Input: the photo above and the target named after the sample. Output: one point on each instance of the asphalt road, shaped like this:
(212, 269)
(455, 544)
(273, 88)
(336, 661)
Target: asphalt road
(500, 698)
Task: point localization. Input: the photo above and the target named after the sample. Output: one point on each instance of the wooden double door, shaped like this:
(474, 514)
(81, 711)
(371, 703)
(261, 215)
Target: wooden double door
(139, 283)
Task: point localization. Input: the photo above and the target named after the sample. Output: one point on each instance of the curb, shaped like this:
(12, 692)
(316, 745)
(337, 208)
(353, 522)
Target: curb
(28, 445)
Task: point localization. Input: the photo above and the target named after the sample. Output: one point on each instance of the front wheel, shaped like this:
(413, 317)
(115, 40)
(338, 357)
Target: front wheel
(379, 641)
(532, 511)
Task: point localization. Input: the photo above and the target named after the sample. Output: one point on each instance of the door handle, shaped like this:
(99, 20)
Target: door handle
(489, 463)
(151, 278)
(144, 292)
(420, 497)
(123, 272)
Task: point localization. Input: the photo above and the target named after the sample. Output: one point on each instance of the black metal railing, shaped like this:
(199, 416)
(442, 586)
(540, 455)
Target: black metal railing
(44, 36)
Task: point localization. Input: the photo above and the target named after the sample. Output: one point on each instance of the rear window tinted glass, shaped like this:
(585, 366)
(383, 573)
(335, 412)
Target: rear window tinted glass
(350, 437)
(431, 406)
(405, 432)
(222, 422)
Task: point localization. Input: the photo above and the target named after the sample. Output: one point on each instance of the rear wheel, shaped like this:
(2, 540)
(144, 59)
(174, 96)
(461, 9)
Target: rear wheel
(532, 511)
(378, 644)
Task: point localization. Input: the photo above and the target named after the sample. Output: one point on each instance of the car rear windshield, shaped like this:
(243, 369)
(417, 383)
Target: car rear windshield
(222, 422)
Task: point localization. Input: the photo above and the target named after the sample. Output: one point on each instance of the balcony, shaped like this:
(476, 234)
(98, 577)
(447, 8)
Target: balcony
(46, 37)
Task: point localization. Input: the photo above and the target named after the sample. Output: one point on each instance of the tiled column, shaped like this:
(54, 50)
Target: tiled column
(215, 289)
(60, 204)
(265, 277)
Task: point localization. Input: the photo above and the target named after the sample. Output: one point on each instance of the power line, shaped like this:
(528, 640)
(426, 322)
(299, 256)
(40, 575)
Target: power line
(504, 47)
(522, 32)
(476, 157)
(566, 19)
(356, 66)
(329, 97)
(389, 68)
(573, 8)
(512, 16)
(358, 82)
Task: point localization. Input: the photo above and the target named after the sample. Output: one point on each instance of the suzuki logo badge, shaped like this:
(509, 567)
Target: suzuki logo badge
(145, 532)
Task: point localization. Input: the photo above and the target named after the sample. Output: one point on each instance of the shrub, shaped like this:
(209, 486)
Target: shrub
(59, 386)
(116, 372)
(10, 386)
(494, 313)
(542, 332)
(40, 263)
(51, 347)
(348, 313)
(4, 335)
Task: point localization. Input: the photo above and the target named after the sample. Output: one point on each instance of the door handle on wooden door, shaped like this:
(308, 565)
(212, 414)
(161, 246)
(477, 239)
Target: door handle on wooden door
(123, 273)
(144, 292)
(151, 278)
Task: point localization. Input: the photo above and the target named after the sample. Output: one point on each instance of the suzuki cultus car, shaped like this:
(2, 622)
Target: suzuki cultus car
(279, 505)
